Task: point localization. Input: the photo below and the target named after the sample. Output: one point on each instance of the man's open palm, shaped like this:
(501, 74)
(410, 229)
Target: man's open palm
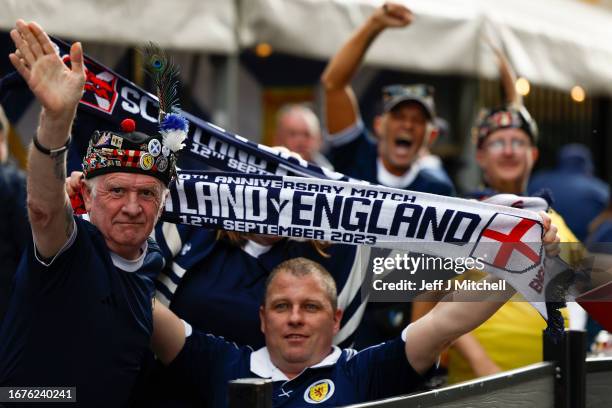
(57, 87)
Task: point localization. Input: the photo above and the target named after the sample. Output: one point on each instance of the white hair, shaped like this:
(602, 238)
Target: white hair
(314, 126)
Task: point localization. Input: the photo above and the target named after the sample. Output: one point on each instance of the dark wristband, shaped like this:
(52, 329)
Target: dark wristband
(51, 152)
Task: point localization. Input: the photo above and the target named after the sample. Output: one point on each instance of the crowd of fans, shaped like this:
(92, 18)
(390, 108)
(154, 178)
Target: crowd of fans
(82, 302)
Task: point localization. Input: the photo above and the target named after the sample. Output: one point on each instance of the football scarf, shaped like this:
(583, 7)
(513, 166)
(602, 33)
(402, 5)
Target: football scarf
(507, 240)
(264, 196)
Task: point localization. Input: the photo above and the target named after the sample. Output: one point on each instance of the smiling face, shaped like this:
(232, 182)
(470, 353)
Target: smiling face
(125, 208)
(298, 321)
(401, 133)
(506, 158)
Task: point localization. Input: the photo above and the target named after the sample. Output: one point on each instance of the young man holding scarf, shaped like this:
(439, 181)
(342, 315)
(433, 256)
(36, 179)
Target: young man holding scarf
(80, 314)
(299, 317)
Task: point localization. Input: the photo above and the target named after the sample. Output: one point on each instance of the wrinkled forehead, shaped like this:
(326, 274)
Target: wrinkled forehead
(130, 180)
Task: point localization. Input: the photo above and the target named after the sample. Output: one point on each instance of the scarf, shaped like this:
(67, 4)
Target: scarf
(272, 192)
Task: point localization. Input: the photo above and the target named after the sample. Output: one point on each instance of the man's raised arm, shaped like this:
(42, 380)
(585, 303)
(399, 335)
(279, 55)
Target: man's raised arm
(453, 317)
(341, 109)
(58, 89)
(507, 76)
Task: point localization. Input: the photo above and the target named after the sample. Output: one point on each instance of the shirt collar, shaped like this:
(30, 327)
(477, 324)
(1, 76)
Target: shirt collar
(391, 180)
(255, 249)
(127, 265)
(262, 365)
(130, 265)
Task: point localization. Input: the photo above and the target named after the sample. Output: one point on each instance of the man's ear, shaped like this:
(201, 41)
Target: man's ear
(3, 145)
(433, 133)
(165, 194)
(87, 195)
(378, 125)
(337, 319)
(318, 143)
(535, 153)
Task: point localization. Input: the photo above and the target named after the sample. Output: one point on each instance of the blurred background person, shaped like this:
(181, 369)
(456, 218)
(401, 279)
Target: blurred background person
(600, 232)
(512, 337)
(14, 226)
(406, 124)
(402, 129)
(299, 130)
(506, 151)
(572, 182)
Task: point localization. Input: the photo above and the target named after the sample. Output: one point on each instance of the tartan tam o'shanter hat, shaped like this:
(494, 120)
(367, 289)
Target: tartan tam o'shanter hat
(130, 151)
(504, 117)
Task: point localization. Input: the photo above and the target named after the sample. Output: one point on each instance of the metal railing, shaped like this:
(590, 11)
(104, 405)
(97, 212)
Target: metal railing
(566, 380)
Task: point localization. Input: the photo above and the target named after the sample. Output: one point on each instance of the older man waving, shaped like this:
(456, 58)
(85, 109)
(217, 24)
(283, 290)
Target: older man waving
(80, 312)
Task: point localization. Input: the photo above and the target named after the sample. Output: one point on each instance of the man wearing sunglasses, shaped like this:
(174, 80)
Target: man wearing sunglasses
(405, 125)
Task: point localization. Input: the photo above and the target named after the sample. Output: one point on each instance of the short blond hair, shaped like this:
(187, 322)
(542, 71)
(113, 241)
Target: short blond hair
(301, 267)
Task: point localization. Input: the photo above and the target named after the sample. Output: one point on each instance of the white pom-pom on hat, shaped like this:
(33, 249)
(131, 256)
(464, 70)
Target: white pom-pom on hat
(173, 139)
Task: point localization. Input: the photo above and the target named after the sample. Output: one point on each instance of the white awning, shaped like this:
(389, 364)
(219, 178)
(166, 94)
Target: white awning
(200, 25)
(557, 43)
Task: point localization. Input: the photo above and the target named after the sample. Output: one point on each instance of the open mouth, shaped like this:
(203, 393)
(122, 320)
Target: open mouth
(403, 143)
(404, 140)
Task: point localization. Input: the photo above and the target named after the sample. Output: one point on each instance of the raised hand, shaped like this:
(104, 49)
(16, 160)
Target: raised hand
(506, 75)
(550, 239)
(393, 15)
(74, 183)
(57, 87)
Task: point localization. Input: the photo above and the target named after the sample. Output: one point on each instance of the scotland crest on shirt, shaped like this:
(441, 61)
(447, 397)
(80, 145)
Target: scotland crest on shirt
(319, 392)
